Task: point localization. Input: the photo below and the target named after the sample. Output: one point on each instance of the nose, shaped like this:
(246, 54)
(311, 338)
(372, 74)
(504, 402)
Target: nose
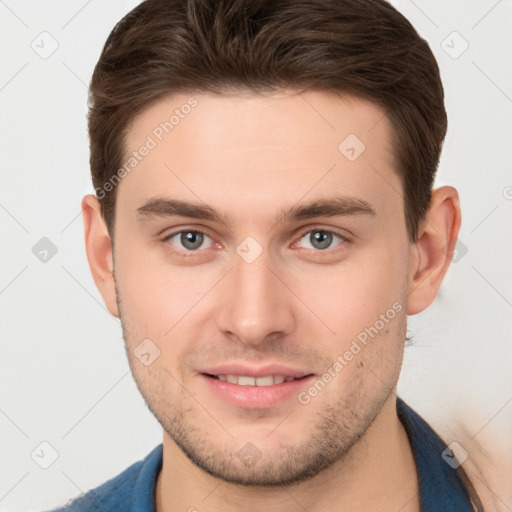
(256, 303)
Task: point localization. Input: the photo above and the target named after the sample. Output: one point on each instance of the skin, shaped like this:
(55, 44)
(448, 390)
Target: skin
(250, 157)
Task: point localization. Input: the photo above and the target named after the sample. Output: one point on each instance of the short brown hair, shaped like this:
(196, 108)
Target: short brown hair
(361, 47)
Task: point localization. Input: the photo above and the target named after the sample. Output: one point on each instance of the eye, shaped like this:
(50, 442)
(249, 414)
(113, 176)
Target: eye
(190, 240)
(320, 239)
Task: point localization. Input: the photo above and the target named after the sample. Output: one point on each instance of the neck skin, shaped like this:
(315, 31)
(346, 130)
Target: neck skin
(378, 473)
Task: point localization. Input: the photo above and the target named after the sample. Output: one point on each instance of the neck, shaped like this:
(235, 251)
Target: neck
(378, 473)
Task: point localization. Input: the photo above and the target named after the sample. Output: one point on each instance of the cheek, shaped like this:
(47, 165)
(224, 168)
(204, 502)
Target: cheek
(352, 295)
(155, 295)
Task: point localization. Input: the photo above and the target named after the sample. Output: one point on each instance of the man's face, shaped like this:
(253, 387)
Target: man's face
(260, 293)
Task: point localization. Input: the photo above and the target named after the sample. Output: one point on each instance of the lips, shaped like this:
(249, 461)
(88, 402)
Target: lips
(244, 375)
(255, 387)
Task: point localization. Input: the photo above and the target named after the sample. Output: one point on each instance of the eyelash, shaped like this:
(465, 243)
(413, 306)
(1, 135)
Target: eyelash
(188, 254)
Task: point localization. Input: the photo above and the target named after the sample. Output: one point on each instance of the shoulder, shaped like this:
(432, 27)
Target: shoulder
(131, 490)
(442, 481)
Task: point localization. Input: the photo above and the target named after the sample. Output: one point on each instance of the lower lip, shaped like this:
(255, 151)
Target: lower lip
(256, 397)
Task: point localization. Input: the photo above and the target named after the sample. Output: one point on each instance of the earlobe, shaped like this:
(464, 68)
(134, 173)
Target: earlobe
(99, 251)
(433, 250)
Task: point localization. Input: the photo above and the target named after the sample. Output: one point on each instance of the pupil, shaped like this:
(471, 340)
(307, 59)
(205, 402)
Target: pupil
(191, 239)
(321, 239)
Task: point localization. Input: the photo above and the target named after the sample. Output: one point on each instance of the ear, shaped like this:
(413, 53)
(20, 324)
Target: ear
(433, 250)
(99, 251)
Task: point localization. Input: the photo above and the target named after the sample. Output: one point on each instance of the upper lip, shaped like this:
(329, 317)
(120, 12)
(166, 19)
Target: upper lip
(255, 371)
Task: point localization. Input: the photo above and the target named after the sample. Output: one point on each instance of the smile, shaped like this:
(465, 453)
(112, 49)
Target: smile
(246, 380)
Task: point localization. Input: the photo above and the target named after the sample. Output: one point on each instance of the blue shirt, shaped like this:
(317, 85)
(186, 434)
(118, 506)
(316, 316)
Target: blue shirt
(441, 487)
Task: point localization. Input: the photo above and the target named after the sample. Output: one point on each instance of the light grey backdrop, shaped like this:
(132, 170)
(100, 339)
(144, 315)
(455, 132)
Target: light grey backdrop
(64, 379)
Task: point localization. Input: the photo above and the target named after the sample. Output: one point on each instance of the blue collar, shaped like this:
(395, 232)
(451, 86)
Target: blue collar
(441, 487)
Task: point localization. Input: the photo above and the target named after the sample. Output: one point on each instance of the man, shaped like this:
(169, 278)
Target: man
(263, 221)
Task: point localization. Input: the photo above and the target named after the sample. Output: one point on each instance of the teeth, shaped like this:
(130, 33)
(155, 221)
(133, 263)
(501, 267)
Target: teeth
(245, 380)
(265, 381)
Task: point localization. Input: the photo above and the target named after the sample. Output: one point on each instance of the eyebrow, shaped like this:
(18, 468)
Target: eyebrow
(331, 207)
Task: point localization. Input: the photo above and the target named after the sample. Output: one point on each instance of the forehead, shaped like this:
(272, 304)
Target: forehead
(273, 119)
(272, 148)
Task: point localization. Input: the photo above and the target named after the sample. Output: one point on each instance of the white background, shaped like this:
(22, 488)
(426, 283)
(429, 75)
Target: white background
(64, 377)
